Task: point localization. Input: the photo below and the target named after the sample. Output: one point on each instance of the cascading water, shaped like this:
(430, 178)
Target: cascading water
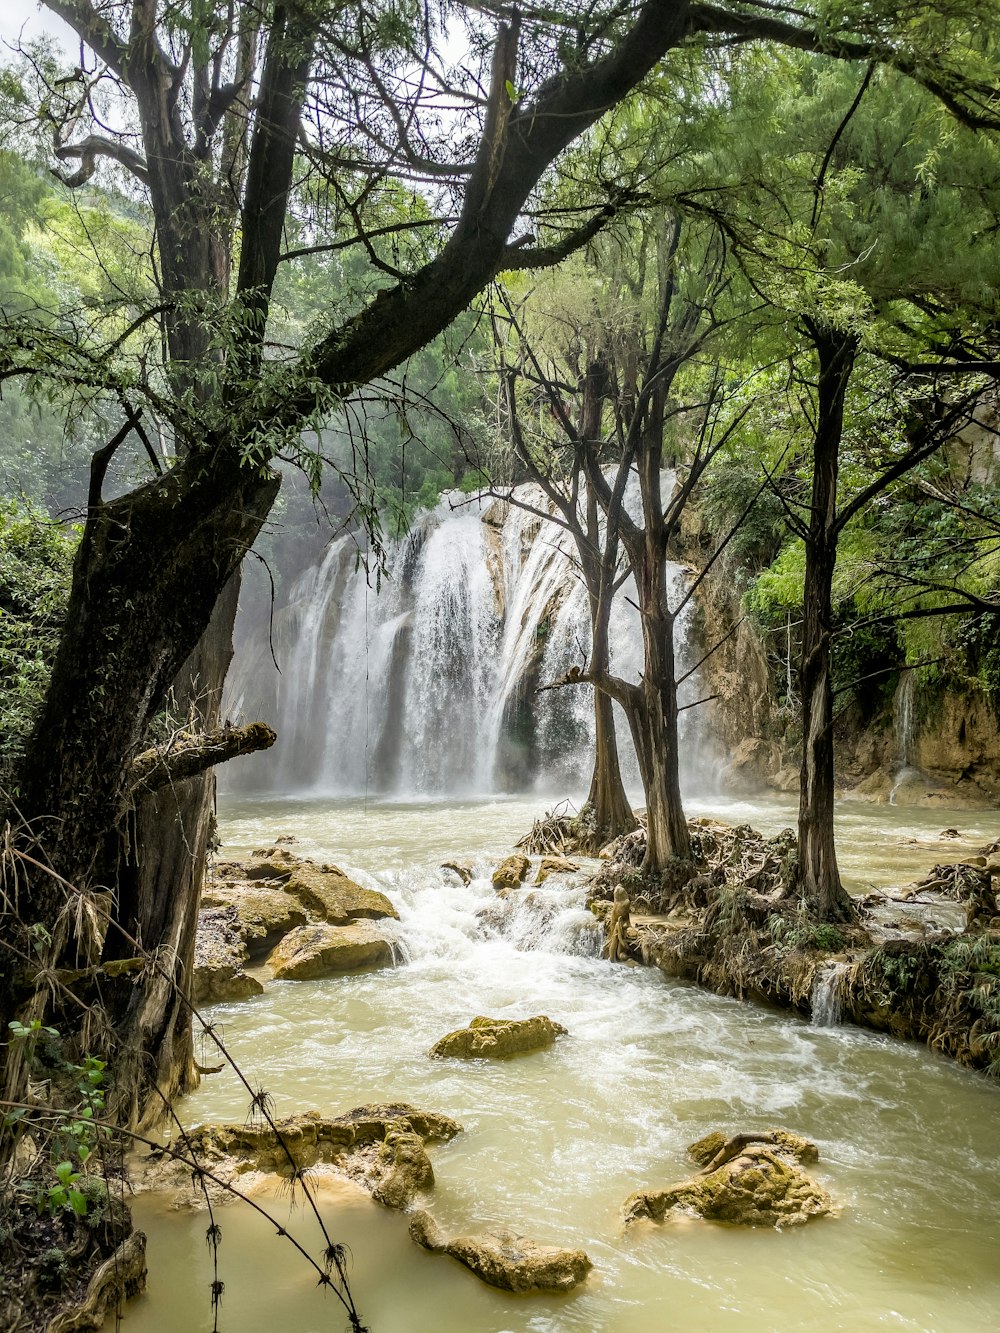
(430, 684)
(905, 727)
(826, 1001)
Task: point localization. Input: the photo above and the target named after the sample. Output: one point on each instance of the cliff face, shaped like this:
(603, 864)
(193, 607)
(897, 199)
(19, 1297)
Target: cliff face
(941, 746)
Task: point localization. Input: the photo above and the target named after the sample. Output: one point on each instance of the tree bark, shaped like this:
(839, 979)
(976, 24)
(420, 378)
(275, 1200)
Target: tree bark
(819, 876)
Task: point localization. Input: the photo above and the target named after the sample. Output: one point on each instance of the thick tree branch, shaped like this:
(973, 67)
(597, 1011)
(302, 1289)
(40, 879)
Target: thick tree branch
(191, 754)
(90, 149)
(972, 104)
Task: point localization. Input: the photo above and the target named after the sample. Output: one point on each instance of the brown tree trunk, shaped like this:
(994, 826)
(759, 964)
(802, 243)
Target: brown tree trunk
(608, 808)
(137, 610)
(653, 721)
(160, 893)
(819, 876)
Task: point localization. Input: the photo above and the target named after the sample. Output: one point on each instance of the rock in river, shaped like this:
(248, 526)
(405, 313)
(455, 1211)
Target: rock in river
(511, 872)
(498, 1038)
(219, 956)
(554, 865)
(327, 893)
(505, 1259)
(752, 1179)
(321, 950)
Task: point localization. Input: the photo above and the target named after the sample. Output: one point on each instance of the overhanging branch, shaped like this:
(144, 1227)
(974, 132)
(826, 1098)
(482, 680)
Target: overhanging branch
(192, 754)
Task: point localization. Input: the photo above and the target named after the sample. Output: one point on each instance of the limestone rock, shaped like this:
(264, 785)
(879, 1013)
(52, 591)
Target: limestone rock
(321, 950)
(511, 872)
(329, 894)
(371, 1144)
(498, 1038)
(554, 865)
(264, 915)
(402, 1166)
(463, 871)
(219, 956)
(504, 1259)
(752, 1179)
(270, 863)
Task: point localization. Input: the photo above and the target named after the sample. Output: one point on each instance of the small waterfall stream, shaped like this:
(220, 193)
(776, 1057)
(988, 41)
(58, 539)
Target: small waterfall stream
(429, 685)
(905, 728)
(826, 1001)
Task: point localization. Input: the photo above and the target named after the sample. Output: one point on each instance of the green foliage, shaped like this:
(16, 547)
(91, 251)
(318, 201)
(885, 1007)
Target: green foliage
(62, 1185)
(733, 493)
(35, 565)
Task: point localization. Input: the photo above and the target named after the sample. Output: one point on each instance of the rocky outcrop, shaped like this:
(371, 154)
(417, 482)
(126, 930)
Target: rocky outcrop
(263, 915)
(511, 872)
(402, 1169)
(555, 865)
(381, 1146)
(752, 1179)
(320, 950)
(505, 1259)
(498, 1038)
(329, 895)
(308, 920)
(459, 868)
(219, 958)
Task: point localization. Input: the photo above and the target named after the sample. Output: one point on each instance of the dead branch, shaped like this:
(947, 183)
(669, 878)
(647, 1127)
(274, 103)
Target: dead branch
(192, 753)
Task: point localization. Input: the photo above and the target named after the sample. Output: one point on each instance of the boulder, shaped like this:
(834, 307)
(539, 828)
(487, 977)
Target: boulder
(511, 872)
(463, 871)
(321, 950)
(402, 1167)
(371, 1144)
(498, 1038)
(504, 1259)
(219, 956)
(263, 914)
(327, 893)
(270, 863)
(554, 865)
(752, 1179)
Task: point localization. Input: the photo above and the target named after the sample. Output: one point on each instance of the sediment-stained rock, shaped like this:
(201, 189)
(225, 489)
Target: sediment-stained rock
(376, 1145)
(219, 958)
(327, 893)
(320, 950)
(402, 1168)
(511, 872)
(752, 1179)
(503, 1258)
(554, 865)
(497, 1038)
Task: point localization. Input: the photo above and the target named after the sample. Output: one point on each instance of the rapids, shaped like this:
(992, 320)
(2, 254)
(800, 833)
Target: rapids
(553, 1142)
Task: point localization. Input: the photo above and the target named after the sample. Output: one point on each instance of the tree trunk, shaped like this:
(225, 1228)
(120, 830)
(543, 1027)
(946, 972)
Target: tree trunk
(608, 806)
(653, 721)
(819, 877)
(160, 893)
(150, 568)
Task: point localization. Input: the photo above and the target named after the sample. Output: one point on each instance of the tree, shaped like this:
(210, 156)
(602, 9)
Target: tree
(569, 402)
(861, 263)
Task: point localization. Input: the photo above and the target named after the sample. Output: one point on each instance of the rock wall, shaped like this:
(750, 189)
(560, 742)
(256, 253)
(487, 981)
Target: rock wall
(952, 758)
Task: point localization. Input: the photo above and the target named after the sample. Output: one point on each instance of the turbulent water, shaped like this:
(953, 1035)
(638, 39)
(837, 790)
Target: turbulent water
(429, 683)
(553, 1142)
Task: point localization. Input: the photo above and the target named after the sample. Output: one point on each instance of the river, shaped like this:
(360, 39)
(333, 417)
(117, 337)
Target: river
(554, 1142)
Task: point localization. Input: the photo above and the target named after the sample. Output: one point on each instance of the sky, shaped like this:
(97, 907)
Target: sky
(16, 15)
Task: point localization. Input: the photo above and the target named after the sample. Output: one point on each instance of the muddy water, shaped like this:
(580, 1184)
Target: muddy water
(553, 1142)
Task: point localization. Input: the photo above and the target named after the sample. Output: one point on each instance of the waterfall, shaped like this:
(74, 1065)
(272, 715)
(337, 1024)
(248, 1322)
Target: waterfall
(826, 1001)
(430, 683)
(905, 728)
